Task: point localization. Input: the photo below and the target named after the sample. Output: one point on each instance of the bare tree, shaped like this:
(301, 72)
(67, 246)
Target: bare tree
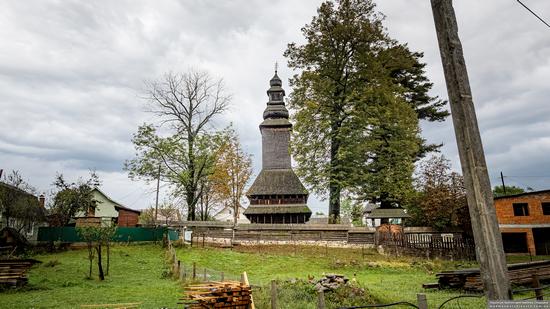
(185, 105)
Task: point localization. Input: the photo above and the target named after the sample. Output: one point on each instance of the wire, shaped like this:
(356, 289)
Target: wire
(525, 6)
(526, 176)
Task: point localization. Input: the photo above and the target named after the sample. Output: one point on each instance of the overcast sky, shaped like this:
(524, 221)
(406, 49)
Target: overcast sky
(72, 76)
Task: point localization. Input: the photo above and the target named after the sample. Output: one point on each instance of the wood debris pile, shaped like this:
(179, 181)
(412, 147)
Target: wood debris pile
(226, 294)
(470, 279)
(330, 283)
(14, 272)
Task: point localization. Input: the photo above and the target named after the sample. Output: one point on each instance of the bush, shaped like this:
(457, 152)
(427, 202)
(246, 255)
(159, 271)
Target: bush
(298, 293)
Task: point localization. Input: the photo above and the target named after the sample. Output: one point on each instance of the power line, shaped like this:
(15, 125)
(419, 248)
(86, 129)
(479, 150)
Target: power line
(535, 14)
(527, 176)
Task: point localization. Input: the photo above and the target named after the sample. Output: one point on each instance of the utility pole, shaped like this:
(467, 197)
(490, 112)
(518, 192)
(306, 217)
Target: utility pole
(503, 186)
(157, 198)
(488, 240)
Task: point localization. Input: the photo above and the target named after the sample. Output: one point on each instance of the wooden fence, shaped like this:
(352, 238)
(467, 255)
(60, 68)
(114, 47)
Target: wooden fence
(445, 245)
(452, 245)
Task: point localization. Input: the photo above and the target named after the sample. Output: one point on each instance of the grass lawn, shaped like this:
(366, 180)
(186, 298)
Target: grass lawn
(387, 279)
(135, 276)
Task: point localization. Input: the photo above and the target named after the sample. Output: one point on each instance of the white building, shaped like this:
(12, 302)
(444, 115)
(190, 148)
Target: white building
(226, 214)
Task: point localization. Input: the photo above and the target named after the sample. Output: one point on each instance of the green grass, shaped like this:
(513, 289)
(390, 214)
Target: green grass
(135, 276)
(387, 279)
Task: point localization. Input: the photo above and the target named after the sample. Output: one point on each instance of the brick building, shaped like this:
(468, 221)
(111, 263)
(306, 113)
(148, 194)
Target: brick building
(127, 216)
(524, 220)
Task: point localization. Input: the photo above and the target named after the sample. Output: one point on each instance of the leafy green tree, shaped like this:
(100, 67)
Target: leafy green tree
(232, 172)
(96, 237)
(353, 210)
(354, 76)
(73, 197)
(382, 153)
(147, 216)
(441, 199)
(510, 190)
(18, 204)
(182, 144)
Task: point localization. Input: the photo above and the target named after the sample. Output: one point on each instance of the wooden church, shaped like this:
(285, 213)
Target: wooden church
(277, 195)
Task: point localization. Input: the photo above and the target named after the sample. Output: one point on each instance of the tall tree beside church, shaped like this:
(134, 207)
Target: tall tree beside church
(182, 141)
(232, 172)
(347, 57)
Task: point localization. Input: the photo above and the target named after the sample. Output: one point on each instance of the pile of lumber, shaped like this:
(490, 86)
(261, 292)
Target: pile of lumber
(470, 279)
(226, 294)
(13, 272)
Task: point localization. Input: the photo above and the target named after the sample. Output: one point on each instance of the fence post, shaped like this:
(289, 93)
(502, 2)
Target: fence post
(204, 277)
(422, 301)
(222, 276)
(194, 271)
(203, 236)
(273, 294)
(183, 275)
(321, 300)
(536, 285)
(179, 269)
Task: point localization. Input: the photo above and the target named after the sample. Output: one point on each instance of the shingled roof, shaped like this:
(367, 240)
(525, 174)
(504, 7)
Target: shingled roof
(277, 181)
(382, 213)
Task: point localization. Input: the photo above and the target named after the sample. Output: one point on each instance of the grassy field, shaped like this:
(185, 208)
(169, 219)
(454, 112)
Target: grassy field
(386, 279)
(136, 273)
(139, 274)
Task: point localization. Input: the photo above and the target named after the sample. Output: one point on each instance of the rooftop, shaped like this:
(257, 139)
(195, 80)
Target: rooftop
(277, 182)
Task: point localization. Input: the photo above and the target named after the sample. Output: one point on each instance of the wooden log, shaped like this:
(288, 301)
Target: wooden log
(321, 300)
(273, 294)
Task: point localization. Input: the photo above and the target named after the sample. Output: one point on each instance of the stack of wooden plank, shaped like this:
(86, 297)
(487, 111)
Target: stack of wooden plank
(470, 279)
(226, 294)
(13, 272)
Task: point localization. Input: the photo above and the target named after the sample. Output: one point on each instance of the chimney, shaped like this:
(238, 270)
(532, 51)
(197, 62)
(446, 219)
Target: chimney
(41, 200)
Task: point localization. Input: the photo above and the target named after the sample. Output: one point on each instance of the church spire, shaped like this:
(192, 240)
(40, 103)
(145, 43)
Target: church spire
(276, 105)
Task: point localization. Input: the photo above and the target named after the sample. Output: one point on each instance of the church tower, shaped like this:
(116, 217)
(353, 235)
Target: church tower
(277, 195)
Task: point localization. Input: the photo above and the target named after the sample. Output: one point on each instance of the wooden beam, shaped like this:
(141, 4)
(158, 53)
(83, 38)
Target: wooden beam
(488, 239)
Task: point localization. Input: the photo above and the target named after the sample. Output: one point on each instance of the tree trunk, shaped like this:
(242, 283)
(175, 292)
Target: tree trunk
(191, 187)
(334, 187)
(90, 258)
(99, 265)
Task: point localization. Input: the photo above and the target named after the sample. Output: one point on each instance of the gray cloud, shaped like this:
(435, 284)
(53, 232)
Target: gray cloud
(72, 77)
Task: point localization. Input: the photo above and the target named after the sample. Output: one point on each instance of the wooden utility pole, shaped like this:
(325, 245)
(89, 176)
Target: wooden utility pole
(488, 240)
(157, 197)
(503, 186)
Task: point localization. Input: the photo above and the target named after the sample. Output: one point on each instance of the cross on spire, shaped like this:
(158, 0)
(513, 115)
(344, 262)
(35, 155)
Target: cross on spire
(276, 67)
